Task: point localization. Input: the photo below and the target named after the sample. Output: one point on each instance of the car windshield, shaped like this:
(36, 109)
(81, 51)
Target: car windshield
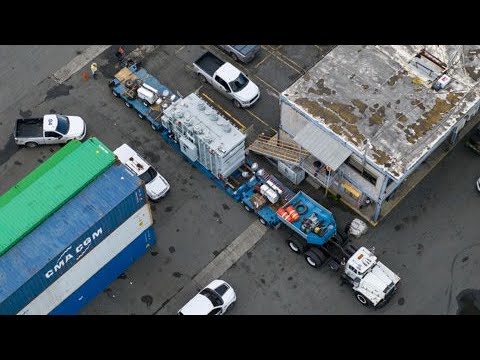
(63, 124)
(239, 83)
(222, 289)
(148, 175)
(212, 296)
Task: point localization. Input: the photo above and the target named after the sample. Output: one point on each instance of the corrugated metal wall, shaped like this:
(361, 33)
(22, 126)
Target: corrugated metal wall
(104, 255)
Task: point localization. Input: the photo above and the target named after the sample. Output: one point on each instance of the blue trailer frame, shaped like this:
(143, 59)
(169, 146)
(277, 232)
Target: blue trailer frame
(243, 193)
(143, 112)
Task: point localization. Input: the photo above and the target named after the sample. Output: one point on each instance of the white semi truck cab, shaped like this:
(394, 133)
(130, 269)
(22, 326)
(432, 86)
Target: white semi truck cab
(373, 283)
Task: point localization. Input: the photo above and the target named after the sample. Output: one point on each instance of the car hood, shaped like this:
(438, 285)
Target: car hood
(77, 126)
(248, 92)
(157, 187)
(199, 305)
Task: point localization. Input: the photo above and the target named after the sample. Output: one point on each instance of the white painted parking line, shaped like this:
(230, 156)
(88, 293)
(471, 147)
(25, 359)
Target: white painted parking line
(78, 62)
(217, 267)
(179, 49)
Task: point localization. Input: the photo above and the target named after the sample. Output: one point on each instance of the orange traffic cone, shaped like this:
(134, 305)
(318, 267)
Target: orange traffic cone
(85, 76)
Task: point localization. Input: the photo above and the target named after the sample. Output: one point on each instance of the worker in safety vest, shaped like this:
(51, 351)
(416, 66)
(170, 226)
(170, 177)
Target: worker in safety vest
(120, 54)
(93, 67)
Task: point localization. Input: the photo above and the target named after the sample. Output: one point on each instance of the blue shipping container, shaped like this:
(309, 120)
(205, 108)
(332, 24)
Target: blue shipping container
(106, 275)
(44, 255)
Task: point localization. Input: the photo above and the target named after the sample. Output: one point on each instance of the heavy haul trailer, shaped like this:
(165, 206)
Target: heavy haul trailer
(197, 131)
(213, 145)
(80, 249)
(210, 142)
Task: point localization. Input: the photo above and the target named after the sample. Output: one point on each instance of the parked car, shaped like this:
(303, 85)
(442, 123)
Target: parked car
(474, 141)
(227, 79)
(243, 53)
(215, 299)
(155, 184)
(49, 129)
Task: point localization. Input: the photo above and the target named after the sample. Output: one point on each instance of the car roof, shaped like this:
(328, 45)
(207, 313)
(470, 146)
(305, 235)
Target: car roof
(130, 157)
(198, 305)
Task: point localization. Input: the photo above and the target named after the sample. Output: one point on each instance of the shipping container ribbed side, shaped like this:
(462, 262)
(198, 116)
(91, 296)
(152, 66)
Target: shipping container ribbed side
(39, 171)
(97, 269)
(119, 264)
(50, 191)
(68, 235)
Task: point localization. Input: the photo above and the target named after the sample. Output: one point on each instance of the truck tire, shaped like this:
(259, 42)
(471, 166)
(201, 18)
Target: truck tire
(140, 115)
(127, 104)
(362, 299)
(31, 144)
(262, 221)
(237, 104)
(234, 57)
(315, 258)
(297, 245)
(230, 307)
(245, 206)
(153, 127)
(115, 94)
(203, 79)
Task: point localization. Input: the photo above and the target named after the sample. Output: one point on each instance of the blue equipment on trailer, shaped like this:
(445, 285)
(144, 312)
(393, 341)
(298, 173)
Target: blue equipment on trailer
(125, 85)
(325, 221)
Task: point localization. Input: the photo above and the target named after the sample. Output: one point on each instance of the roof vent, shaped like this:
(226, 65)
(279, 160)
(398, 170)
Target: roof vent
(198, 129)
(201, 106)
(213, 117)
(227, 128)
(179, 114)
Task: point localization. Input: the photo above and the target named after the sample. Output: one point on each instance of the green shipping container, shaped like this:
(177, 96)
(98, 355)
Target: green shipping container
(48, 190)
(38, 172)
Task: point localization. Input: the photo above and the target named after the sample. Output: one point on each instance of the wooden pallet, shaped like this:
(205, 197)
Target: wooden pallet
(279, 149)
(124, 75)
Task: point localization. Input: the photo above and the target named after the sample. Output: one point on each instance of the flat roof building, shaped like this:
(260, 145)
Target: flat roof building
(370, 115)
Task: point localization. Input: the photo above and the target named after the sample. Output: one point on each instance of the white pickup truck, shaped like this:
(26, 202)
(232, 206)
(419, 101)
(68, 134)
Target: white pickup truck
(227, 79)
(50, 129)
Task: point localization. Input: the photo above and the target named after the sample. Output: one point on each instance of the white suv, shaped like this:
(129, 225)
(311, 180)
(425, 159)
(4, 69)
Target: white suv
(157, 187)
(215, 299)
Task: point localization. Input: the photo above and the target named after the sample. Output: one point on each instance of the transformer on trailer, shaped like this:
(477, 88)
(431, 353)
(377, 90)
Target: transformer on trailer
(205, 135)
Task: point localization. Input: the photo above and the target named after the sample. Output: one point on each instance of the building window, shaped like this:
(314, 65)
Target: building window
(357, 166)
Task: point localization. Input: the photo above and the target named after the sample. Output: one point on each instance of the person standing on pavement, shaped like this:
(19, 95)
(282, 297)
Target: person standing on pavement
(93, 67)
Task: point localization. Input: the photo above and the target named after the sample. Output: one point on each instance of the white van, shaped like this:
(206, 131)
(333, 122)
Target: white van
(157, 187)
